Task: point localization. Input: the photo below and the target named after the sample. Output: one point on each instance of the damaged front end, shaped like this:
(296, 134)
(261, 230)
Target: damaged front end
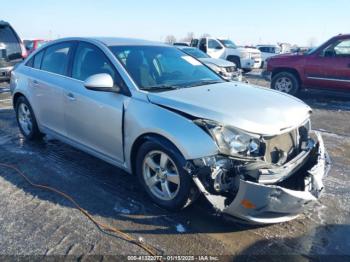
(272, 188)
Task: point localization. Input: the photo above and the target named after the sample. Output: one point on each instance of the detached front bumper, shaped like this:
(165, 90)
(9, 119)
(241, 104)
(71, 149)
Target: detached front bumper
(260, 203)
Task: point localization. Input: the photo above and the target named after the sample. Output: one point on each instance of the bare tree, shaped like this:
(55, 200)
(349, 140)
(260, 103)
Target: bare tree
(205, 35)
(188, 37)
(170, 39)
(312, 42)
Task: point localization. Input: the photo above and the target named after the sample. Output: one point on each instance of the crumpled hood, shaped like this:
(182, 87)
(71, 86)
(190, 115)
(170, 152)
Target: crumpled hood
(250, 108)
(218, 62)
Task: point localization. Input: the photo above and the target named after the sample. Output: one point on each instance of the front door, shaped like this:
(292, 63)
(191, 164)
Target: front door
(330, 69)
(93, 118)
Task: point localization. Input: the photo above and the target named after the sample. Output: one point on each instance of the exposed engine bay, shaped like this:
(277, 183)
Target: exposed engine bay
(270, 189)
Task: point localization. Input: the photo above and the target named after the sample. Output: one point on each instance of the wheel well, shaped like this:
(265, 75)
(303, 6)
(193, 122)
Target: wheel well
(289, 70)
(235, 59)
(232, 57)
(144, 138)
(15, 98)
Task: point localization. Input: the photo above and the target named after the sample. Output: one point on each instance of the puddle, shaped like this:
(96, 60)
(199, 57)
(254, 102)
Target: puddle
(128, 208)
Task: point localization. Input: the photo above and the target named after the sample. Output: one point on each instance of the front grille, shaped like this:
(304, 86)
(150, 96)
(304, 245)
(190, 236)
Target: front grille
(230, 69)
(255, 56)
(282, 148)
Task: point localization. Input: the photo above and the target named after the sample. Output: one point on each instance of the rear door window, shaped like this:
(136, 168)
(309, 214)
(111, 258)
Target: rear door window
(56, 58)
(10, 48)
(37, 60)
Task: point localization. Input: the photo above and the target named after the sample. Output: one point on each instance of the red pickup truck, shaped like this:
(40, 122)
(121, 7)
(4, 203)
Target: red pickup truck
(325, 68)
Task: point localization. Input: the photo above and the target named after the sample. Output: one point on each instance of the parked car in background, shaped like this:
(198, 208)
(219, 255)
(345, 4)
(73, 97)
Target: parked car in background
(12, 50)
(34, 44)
(244, 58)
(174, 123)
(226, 69)
(268, 51)
(325, 68)
(181, 44)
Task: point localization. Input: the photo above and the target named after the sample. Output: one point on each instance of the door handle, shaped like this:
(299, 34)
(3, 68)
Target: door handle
(71, 97)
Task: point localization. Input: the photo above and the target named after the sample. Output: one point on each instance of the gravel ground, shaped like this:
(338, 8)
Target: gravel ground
(37, 222)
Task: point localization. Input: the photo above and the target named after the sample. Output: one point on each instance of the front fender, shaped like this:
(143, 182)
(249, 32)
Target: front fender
(142, 117)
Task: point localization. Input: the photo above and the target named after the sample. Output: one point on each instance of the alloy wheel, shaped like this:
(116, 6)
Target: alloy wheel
(161, 175)
(25, 119)
(284, 84)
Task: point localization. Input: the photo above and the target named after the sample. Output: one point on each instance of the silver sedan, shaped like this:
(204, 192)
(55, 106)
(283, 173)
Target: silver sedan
(156, 112)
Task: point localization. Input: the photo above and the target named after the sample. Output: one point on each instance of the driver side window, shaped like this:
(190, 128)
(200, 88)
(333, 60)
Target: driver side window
(343, 48)
(90, 61)
(340, 49)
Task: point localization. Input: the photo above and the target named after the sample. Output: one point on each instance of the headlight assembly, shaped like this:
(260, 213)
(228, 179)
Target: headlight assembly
(215, 68)
(232, 141)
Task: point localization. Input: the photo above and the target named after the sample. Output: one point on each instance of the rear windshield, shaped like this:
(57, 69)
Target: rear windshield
(10, 48)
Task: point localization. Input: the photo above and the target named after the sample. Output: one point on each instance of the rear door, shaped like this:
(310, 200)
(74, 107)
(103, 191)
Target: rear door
(46, 84)
(94, 119)
(330, 68)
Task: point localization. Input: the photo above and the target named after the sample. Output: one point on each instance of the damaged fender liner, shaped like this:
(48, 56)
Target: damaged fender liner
(259, 203)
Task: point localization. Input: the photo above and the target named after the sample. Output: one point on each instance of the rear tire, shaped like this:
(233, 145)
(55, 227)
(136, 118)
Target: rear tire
(285, 82)
(159, 168)
(26, 120)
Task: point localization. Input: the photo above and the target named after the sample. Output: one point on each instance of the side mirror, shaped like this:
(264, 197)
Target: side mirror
(218, 47)
(100, 82)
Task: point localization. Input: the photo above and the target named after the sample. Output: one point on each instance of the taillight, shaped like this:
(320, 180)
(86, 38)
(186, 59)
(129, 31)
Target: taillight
(24, 53)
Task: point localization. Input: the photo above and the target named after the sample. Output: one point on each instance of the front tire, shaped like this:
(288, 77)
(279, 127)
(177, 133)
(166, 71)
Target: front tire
(285, 82)
(159, 168)
(26, 120)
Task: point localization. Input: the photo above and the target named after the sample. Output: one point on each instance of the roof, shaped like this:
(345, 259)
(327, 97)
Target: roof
(112, 41)
(3, 23)
(341, 36)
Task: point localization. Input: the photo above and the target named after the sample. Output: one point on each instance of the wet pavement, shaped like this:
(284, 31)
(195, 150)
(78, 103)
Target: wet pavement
(37, 222)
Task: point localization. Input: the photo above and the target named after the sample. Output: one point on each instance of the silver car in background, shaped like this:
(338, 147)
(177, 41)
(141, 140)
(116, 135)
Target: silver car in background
(228, 70)
(156, 112)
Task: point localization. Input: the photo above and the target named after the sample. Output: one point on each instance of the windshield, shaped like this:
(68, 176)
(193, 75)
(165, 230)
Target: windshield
(156, 68)
(195, 52)
(311, 51)
(228, 43)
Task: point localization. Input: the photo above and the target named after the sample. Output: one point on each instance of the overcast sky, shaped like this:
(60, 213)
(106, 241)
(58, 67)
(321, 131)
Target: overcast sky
(246, 22)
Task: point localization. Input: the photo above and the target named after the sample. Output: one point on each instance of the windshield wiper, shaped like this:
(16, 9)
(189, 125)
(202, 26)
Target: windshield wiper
(204, 82)
(160, 87)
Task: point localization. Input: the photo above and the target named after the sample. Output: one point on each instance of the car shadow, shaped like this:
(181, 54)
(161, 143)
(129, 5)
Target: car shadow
(322, 243)
(325, 101)
(100, 188)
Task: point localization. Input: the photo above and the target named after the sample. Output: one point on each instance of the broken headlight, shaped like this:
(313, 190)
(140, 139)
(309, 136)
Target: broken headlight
(232, 141)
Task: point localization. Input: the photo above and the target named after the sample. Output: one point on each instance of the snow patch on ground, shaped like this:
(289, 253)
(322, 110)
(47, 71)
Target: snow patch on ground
(180, 228)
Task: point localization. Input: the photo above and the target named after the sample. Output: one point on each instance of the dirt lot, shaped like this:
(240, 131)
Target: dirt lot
(37, 222)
